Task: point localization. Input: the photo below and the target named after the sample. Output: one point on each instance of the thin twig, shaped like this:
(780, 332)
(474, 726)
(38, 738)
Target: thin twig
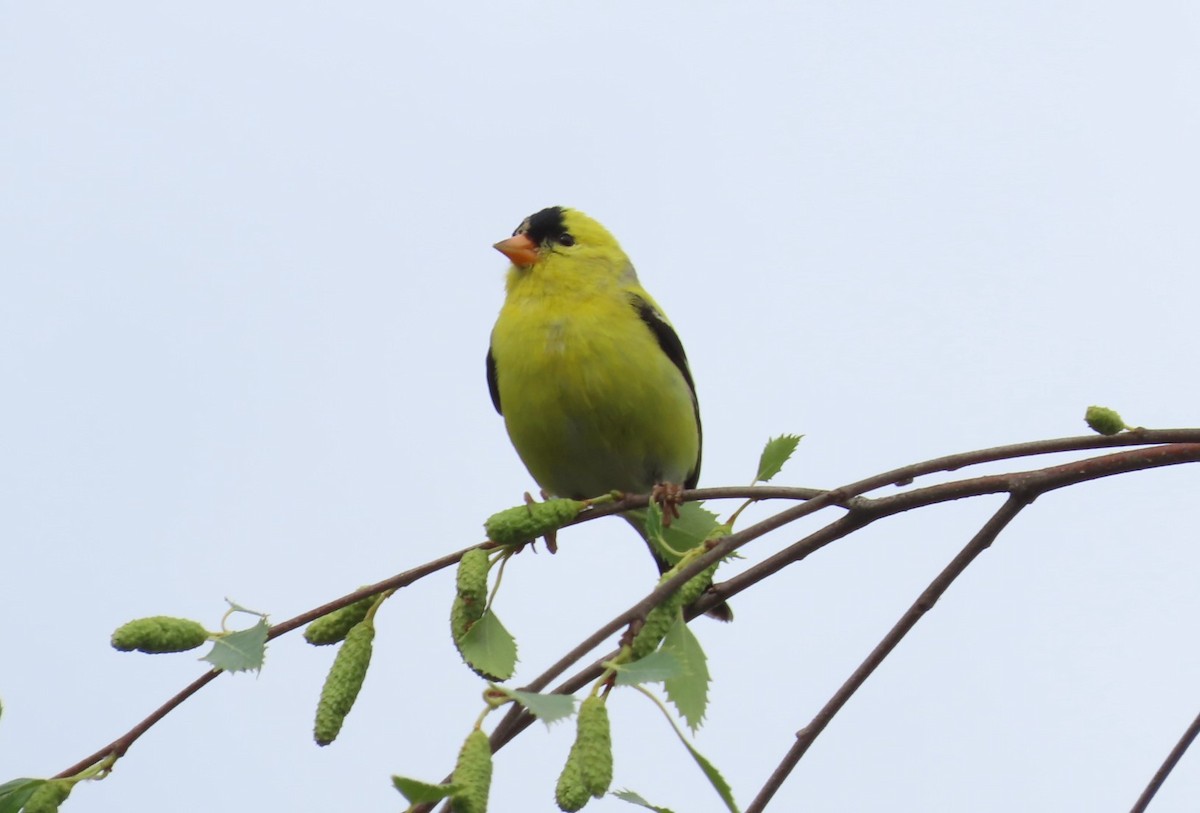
(121, 744)
(1024, 487)
(906, 474)
(805, 737)
(1040, 480)
(862, 512)
(1168, 765)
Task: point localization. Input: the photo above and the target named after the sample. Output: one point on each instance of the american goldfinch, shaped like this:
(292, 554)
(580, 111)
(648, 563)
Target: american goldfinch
(589, 375)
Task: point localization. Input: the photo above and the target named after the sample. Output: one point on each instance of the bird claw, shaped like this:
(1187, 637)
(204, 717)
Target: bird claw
(667, 497)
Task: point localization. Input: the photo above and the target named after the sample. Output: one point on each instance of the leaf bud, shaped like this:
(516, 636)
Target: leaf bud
(1104, 420)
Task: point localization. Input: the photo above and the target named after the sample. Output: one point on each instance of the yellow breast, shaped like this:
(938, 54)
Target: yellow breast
(590, 400)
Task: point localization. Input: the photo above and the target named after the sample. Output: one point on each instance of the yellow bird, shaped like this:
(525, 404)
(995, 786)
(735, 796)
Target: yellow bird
(588, 373)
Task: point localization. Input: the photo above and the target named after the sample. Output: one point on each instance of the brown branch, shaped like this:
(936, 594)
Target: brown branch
(806, 736)
(517, 719)
(1168, 765)
(1023, 488)
(1038, 481)
(862, 512)
(1042, 480)
(393, 583)
(121, 744)
(906, 474)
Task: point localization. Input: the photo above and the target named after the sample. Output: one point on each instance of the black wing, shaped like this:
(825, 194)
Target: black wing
(668, 340)
(493, 388)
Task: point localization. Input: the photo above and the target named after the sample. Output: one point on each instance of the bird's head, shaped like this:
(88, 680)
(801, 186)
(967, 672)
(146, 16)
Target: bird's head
(564, 242)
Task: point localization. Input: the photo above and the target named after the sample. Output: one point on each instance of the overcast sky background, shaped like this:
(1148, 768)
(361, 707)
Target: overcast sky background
(246, 286)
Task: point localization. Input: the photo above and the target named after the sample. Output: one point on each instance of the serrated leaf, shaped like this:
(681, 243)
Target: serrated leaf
(549, 708)
(714, 777)
(634, 799)
(417, 792)
(16, 792)
(240, 651)
(688, 690)
(652, 521)
(489, 647)
(691, 528)
(774, 455)
(654, 668)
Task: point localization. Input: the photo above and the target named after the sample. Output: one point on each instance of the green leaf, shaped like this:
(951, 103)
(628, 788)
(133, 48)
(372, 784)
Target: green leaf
(774, 455)
(417, 792)
(653, 523)
(633, 798)
(549, 708)
(692, 527)
(714, 777)
(489, 648)
(689, 689)
(654, 668)
(240, 651)
(16, 792)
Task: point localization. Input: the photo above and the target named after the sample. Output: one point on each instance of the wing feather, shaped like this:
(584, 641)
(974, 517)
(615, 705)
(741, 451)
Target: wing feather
(669, 341)
(493, 387)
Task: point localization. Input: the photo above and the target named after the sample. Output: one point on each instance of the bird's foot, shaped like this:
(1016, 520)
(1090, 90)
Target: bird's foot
(667, 497)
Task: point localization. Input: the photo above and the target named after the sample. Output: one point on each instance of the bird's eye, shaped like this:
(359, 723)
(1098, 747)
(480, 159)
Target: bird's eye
(566, 239)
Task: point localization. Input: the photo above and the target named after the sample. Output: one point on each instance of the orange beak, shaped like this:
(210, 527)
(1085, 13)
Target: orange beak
(519, 249)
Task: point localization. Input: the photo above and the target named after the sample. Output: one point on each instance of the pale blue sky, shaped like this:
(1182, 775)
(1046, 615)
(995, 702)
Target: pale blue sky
(247, 284)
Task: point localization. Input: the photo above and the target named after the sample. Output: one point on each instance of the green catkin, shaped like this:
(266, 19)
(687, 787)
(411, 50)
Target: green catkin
(333, 627)
(660, 619)
(48, 797)
(589, 768)
(525, 522)
(695, 587)
(570, 793)
(593, 739)
(1104, 420)
(471, 579)
(473, 775)
(461, 619)
(343, 682)
(159, 634)
(470, 598)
